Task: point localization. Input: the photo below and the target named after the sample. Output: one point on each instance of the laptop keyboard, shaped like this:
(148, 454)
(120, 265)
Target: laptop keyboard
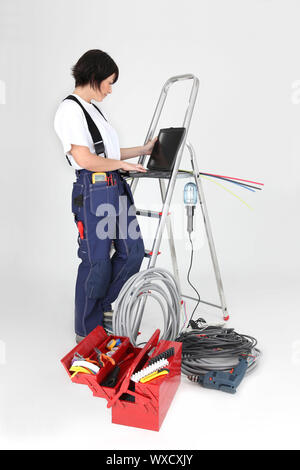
(152, 174)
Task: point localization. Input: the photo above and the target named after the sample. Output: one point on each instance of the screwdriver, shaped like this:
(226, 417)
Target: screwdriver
(112, 378)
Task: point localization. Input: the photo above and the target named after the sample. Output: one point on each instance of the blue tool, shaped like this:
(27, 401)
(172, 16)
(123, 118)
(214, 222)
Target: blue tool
(225, 381)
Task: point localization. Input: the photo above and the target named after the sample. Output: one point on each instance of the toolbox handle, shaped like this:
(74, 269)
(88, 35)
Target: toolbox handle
(125, 384)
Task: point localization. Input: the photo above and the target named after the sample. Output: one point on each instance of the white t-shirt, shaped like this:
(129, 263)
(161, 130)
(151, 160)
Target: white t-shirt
(71, 127)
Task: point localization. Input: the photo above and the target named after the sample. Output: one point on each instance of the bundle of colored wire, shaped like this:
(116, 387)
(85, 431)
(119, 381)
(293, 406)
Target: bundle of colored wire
(237, 181)
(215, 348)
(231, 179)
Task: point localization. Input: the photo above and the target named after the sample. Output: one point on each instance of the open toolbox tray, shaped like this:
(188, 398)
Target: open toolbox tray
(142, 405)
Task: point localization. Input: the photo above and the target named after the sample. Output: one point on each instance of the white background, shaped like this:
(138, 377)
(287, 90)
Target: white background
(245, 124)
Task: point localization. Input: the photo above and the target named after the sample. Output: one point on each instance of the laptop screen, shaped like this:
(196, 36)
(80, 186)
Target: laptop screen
(165, 149)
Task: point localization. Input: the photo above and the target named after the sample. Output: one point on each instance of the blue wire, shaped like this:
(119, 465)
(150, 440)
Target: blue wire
(242, 185)
(234, 182)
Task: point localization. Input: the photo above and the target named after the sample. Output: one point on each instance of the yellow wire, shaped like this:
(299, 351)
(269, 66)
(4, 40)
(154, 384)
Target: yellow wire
(223, 187)
(228, 190)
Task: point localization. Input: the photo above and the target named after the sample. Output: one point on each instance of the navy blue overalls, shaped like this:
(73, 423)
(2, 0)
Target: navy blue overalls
(106, 214)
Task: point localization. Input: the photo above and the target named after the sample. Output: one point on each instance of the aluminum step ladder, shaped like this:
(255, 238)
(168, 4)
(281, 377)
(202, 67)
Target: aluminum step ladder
(166, 197)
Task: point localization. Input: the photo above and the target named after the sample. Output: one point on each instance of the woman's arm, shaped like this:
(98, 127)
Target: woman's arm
(92, 162)
(137, 151)
(132, 152)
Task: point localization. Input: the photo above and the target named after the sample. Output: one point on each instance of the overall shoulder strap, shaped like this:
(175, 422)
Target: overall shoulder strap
(94, 131)
(99, 111)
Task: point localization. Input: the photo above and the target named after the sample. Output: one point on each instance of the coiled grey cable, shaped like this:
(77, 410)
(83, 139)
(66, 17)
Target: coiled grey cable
(157, 283)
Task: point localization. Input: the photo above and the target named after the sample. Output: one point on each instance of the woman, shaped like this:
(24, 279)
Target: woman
(102, 204)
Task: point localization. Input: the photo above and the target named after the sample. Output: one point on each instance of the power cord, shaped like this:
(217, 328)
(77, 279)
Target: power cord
(188, 279)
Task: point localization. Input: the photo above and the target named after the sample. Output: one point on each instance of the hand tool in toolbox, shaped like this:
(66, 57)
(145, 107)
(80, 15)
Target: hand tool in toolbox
(137, 404)
(112, 379)
(154, 375)
(83, 365)
(80, 369)
(101, 357)
(154, 367)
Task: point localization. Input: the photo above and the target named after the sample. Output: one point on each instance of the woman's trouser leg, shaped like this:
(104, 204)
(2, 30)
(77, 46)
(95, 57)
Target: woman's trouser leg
(99, 278)
(129, 253)
(95, 269)
(93, 279)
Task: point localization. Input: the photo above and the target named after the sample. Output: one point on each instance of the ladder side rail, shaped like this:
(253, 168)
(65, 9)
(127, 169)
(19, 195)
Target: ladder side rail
(170, 237)
(208, 230)
(172, 181)
(159, 108)
(151, 130)
(164, 220)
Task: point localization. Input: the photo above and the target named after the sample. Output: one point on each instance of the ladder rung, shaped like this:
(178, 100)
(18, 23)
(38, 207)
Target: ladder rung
(149, 253)
(201, 301)
(148, 213)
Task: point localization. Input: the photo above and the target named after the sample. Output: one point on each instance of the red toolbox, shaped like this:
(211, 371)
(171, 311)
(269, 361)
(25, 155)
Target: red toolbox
(143, 405)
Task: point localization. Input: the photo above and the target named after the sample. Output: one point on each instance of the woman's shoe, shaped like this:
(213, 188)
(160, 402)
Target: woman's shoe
(107, 322)
(79, 338)
(107, 325)
(108, 315)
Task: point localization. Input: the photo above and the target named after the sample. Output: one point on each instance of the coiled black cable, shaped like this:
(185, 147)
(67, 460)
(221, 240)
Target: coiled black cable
(212, 348)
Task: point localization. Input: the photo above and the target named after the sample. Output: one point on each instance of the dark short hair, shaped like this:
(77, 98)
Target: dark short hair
(93, 67)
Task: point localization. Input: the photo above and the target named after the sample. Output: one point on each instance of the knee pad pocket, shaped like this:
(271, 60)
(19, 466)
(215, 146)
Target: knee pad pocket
(134, 260)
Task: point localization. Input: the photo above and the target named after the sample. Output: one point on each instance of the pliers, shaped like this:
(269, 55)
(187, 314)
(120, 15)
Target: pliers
(101, 357)
(79, 357)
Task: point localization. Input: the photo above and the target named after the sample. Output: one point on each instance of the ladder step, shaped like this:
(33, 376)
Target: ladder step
(149, 253)
(148, 213)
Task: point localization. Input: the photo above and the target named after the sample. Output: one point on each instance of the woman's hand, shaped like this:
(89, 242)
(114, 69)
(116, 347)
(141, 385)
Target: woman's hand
(147, 149)
(133, 167)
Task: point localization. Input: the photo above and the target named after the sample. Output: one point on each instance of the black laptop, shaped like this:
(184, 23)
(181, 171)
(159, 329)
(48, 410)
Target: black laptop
(163, 155)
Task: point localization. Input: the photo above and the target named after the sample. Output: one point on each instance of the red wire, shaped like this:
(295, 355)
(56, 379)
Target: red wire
(238, 179)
